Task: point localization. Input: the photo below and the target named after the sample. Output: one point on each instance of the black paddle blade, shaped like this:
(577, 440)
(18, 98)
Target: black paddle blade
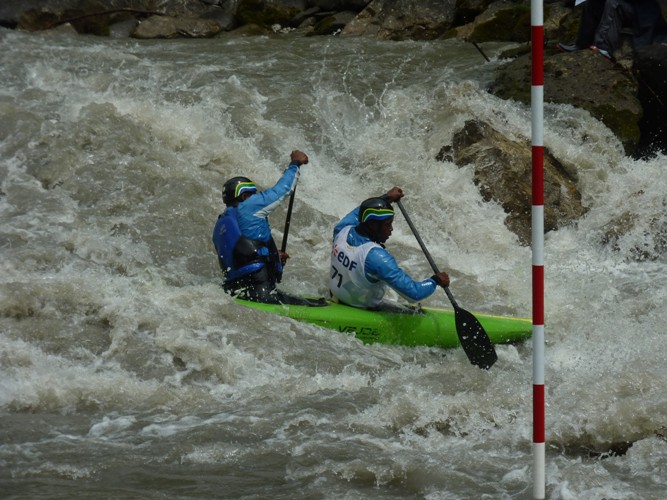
(474, 340)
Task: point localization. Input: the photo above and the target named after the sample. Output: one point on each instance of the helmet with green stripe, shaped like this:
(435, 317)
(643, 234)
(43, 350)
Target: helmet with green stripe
(235, 187)
(375, 209)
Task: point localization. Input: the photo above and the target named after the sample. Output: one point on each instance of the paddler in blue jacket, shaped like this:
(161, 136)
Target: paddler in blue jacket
(361, 267)
(247, 253)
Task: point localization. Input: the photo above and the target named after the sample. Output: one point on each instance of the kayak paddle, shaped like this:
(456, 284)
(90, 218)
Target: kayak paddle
(473, 337)
(288, 218)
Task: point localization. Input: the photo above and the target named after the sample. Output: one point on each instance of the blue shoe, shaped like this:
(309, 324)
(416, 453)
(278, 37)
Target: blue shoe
(567, 48)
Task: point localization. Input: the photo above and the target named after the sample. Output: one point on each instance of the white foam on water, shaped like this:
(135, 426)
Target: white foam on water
(112, 315)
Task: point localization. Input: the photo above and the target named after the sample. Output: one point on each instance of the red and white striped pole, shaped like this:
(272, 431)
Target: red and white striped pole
(537, 227)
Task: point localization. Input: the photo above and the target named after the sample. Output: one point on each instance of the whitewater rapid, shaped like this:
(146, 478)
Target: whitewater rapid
(125, 371)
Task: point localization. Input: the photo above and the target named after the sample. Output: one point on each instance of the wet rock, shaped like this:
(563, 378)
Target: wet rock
(11, 12)
(584, 80)
(339, 5)
(503, 173)
(652, 245)
(267, 13)
(505, 21)
(225, 15)
(333, 23)
(468, 10)
(174, 27)
(251, 30)
(403, 19)
(97, 16)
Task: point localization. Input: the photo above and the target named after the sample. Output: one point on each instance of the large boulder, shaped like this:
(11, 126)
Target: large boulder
(503, 173)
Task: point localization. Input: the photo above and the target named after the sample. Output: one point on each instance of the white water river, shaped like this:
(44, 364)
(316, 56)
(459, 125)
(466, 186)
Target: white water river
(126, 372)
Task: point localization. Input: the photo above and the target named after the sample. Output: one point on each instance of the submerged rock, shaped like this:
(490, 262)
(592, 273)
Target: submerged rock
(650, 246)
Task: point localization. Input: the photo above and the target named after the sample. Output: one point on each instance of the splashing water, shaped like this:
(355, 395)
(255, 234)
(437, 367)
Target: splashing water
(125, 370)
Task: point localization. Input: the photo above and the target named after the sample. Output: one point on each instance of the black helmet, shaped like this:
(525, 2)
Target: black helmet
(235, 187)
(375, 209)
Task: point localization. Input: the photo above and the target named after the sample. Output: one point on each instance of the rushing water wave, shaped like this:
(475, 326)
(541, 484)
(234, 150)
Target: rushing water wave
(127, 373)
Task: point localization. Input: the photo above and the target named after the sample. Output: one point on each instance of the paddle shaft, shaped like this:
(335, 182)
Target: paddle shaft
(473, 338)
(288, 219)
(425, 250)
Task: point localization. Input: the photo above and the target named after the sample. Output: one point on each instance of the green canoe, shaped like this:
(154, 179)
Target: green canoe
(401, 325)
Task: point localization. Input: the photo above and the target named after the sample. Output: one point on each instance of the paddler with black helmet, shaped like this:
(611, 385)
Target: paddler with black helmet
(362, 268)
(247, 253)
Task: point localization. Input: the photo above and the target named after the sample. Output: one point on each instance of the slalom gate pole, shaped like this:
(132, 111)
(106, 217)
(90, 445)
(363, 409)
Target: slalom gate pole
(537, 229)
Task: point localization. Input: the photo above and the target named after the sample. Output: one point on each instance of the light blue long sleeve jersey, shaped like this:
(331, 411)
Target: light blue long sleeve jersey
(253, 213)
(380, 265)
